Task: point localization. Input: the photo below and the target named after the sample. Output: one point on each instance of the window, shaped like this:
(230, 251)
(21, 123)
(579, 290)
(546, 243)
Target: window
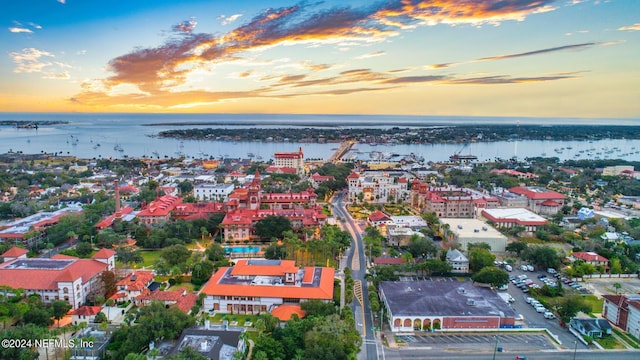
(65, 290)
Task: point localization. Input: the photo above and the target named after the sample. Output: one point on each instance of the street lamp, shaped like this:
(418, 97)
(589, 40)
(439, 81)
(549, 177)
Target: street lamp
(575, 348)
(495, 348)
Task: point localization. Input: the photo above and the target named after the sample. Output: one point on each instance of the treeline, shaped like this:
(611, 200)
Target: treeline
(426, 135)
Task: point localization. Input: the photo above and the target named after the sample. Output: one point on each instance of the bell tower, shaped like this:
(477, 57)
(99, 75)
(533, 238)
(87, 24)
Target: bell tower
(255, 190)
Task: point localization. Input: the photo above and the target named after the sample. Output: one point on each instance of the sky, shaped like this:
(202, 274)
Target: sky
(534, 58)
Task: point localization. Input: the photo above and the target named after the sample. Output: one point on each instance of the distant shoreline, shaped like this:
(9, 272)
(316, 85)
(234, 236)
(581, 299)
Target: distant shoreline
(405, 135)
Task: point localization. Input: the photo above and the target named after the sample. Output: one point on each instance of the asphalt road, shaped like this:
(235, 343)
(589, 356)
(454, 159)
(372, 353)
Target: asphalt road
(361, 310)
(402, 354)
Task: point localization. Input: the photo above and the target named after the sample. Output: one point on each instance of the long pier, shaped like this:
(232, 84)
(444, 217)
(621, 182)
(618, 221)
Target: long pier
(339, 153)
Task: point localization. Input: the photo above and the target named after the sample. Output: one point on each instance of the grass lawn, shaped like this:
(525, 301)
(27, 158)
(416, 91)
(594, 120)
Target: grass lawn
(609, 342)
(240, 318)
(149, 256)
(185, 285)
(596, 304)
(630, 339)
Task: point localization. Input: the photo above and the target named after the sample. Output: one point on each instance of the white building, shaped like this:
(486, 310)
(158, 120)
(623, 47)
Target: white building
(508, 218)
(377, 186)
(213, 192)
(293, 160)
(472, 231)
(258, 286)
(58, 278)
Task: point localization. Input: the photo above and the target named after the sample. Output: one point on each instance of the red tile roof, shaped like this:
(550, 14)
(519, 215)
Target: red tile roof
(161, 207)
(103, 254)
(353, 175)
(550, 203)
(589, 256)
(47, 279)
(379, 216)
(63, 257)
(136, 281)
(246, 268)
(324, 291)
(181, 299)
(87, 311)
(281, 170)
(15, 252)
(284, 312)
(537, 193)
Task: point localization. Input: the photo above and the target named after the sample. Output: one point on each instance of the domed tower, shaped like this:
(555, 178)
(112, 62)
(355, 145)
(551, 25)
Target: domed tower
(255, 191)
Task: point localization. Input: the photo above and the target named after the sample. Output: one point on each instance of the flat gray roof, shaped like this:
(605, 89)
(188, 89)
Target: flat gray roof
(442, 298)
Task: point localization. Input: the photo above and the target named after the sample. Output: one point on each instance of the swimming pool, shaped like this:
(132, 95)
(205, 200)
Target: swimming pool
(242, 249)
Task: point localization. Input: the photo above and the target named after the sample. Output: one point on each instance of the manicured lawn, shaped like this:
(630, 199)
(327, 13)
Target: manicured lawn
(609, 342)
(149, 256)
(596, 304)
(185, 285)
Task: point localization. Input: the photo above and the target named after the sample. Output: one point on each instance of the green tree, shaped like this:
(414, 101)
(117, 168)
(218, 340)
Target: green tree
(318, 308)
(517, 247)
(567, 307)
(275, 251)
(479, 245)
(480, 258)
(175, 254)
(272, 227)
(84, 249)
(201, 272)
(491, 275)
(128, 256)
(616, 267)
(332, 339)
(100, 318)
(543, 257)
(422, 247)
(59, 308)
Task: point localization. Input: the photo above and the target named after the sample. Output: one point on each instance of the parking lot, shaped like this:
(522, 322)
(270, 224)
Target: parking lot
(533, 319)
(509, 342)
(601, 287)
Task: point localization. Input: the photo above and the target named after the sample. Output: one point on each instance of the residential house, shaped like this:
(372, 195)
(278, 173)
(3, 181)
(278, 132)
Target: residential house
(595, 328)
(459, 263)
(181, 299)
(84, 314)
(133, 285)
(541, 201)
(590, 258)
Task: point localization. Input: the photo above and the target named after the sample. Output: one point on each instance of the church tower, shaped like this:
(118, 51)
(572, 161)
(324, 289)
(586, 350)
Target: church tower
(255, 190)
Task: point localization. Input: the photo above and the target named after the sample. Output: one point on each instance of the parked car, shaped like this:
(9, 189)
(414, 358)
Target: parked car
(530, 268)
(504, 287)
(524, 267)
(549, 315)
(552, 271)
(508, 267)
(519, 317)
(541, 309)
(528, 299)
(542, 276)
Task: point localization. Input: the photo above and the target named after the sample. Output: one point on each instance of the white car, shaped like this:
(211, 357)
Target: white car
(529, 267)
(549, 315)
(552, 271)
(541, 309)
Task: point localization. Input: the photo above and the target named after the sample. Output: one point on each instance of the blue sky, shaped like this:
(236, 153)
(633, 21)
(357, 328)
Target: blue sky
(568, 58)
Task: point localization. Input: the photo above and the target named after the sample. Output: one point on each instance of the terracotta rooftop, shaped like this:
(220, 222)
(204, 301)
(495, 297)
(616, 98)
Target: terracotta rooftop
(46, 273)
(103, 254)
(136, 281)
(87, 311)
(15, 252)
(284, 312)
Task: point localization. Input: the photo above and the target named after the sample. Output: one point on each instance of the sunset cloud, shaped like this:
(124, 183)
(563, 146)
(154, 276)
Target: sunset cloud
(31, 60)
(634, 27)
(528, 53)
(186, 26)
(226, 20)
(160, 69)
(19, 30)
(370, 55)
(501, 79)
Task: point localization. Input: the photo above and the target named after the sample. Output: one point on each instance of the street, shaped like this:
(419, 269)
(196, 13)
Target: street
(357, 262)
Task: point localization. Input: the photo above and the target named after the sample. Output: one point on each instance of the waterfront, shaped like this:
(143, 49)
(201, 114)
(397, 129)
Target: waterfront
(128, 135)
